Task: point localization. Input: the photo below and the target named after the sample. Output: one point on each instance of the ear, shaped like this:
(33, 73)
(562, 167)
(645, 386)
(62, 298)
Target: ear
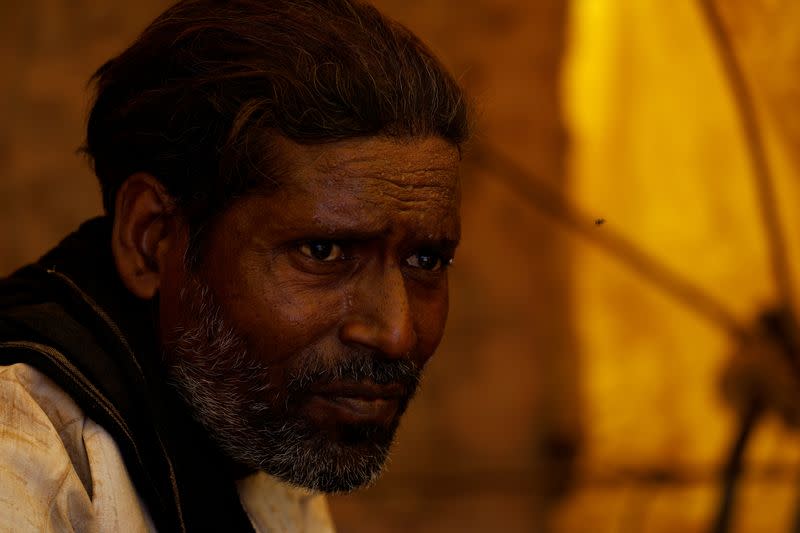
(145, 231)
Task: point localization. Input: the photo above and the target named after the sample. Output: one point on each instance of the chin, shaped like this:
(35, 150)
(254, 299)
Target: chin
(352, 458)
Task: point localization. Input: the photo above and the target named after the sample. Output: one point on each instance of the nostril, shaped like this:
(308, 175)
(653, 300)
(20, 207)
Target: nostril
(400, 342)
(392, 334)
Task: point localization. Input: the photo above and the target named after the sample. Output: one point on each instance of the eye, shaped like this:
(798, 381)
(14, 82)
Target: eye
(430, 261)
(322, 250)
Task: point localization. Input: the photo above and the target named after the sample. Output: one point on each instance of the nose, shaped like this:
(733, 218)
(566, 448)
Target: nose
(380, 316)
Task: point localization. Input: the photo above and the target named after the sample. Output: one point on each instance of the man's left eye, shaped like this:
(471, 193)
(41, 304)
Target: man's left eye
(432, 262)
(322, 250)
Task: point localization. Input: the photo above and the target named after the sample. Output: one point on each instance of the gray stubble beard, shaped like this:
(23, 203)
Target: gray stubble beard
(227, 389)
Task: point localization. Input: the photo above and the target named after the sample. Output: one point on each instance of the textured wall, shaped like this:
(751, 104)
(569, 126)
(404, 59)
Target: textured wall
(48, 50)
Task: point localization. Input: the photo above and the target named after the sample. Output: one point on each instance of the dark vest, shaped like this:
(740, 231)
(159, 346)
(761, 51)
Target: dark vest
(70, 317)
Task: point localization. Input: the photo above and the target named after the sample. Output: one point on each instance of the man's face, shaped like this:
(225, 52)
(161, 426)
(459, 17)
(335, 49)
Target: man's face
(299, 340)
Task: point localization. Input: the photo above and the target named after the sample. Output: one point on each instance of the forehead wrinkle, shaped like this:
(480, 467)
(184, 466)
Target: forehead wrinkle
(429, 215)
(428, 162)
(370, 188)
(404, 200)
(433, 177)
(367, 215)
(392, 180)
(376, 174)
(348, 163)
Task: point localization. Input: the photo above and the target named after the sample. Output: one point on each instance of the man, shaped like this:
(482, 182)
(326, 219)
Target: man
(243, 329)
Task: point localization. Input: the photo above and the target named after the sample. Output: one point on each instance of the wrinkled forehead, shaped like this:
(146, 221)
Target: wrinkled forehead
(372, 180)
(403, 164)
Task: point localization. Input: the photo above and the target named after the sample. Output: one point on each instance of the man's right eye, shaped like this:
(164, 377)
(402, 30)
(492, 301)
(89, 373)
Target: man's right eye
(322, 250)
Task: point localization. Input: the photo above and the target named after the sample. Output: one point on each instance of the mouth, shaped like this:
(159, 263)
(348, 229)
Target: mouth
(355, 403)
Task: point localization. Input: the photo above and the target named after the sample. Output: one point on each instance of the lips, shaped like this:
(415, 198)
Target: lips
(363, 390)
(356, 402)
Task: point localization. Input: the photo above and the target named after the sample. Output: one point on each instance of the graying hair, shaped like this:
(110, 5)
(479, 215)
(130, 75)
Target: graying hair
(198, 99)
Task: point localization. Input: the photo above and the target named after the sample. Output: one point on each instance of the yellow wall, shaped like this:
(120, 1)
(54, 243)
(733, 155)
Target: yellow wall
(658, 151)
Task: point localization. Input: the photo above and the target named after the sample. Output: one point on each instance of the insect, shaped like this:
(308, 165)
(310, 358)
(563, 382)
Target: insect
(599, 221)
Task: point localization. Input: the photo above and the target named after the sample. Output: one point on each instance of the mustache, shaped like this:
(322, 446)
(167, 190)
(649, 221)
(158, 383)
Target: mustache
(355, 366)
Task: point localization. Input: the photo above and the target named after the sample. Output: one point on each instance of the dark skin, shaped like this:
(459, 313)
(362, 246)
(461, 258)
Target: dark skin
(351, 251)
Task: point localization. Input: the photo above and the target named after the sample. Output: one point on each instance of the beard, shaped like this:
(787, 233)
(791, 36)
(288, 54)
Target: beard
(258, 423)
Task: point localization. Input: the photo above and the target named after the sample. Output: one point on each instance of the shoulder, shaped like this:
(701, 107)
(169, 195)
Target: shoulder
(42, 458)
(58, 469)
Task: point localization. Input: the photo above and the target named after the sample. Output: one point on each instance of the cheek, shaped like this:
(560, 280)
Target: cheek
(171, 314)
(430, 318)
(279, 318)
